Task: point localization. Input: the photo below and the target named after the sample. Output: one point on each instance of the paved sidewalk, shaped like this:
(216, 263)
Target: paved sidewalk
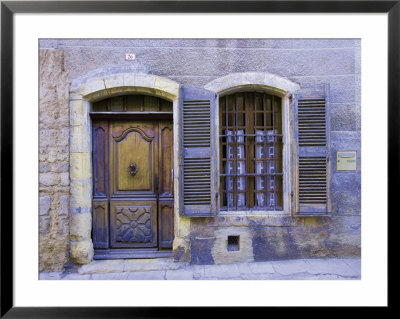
(166, 269)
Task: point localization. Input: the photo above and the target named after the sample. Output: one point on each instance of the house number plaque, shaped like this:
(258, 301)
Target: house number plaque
(346, 160)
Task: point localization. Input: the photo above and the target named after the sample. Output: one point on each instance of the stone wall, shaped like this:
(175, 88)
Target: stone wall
(303, 61)
(53, 160)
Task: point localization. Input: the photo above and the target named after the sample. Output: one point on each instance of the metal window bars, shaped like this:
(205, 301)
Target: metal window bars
(251, 152)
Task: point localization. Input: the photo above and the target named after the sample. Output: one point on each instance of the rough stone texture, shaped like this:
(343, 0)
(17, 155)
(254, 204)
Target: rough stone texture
(82, 251)
(53, 152)
(169, 61)
(294, 269)
(345, 185)
(198, 62)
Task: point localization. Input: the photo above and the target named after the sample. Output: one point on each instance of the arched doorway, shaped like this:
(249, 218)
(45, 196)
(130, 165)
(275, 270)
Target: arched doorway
(132, 143)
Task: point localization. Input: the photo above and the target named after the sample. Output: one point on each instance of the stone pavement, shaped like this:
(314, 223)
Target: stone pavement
(166, 269)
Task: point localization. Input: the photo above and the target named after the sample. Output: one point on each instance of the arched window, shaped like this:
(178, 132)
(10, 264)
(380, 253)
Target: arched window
(250, 151)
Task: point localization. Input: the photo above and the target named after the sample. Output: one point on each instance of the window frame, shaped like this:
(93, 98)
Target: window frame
(288, 151)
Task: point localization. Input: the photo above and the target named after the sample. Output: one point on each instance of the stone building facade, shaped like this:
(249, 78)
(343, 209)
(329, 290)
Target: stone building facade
(78, 75)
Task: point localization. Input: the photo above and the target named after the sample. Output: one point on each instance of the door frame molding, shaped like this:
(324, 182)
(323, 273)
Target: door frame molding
(83, 92)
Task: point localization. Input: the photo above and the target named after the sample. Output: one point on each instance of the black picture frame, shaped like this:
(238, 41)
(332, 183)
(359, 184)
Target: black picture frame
(9, 8)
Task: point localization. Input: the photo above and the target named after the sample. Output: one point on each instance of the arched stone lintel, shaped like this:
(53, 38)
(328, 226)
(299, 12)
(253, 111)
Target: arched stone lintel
(83, 92)
(237, 82)
(95, 89)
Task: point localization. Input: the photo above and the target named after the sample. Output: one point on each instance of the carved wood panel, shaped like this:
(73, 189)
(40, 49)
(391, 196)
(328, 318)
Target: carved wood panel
(134, 150)
(133, 224)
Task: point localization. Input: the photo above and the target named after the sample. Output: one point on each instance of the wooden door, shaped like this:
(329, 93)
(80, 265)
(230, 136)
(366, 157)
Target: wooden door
(139, 187)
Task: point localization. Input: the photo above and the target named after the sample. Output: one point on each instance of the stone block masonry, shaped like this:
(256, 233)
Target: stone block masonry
(53, 161)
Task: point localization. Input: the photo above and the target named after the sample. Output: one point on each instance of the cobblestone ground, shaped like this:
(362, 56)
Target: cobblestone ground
(166, 269)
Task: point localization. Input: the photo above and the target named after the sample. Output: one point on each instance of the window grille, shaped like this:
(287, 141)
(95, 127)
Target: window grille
(250, 152)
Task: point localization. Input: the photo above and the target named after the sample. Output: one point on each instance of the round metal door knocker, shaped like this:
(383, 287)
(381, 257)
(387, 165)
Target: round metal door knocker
(132, 169)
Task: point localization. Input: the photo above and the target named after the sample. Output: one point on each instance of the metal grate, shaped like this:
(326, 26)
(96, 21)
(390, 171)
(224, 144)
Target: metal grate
(312, 180)
(233, 243)
(196, 123)
(250, 152)
(312, 122)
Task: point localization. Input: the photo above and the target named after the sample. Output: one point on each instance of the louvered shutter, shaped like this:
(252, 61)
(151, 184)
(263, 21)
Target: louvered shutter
(312, 123)
(198, 156)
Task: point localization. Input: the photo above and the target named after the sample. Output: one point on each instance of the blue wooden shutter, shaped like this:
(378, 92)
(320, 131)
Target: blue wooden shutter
(198, 155)
(312, 127)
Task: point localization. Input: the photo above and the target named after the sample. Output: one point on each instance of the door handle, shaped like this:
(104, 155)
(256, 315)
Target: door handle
(132, 169)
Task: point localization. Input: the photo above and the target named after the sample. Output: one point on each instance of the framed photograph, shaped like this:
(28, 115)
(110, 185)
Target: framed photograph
(158, 155)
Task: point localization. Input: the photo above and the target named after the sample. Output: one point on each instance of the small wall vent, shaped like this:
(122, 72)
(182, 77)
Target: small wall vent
(233, 243)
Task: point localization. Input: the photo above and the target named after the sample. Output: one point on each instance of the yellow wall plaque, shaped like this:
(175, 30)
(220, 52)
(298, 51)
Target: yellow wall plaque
(346, 160)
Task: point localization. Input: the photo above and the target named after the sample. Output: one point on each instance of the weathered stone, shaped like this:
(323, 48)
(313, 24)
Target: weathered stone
(215, 61)
(44, 167)
(81, 194)
(271, 243)
(63, 226)
(181, 249)
(354, 264)
(78, 114)
(150, 275)
(80, 226)
(49, 179)
(207, 43)
(80, 139)
(151, 264)
(44, 205)
(221, 271)
(103, 266)
(327, 267)
(92, 85)
(345, 117)
(52, 253)
(251, 78)
(343, 88)
(289, 267)
(64, 179)
(264, 267)
(178, 275)
(166, 85)
(346, 193)
(76, 277)
(220, 252)
(63, 136)
(114, 80)
(82, 251)
(44, 224)
(63, 167)
(80, 166)
(183, 226)
(201, 250)
(345, 240)
(48, 137)
(64, 205)
(47, 275)
(310, 239)
(110, 276)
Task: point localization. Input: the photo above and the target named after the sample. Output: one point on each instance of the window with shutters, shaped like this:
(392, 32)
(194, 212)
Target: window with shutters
(250, 152)
(262, 150)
